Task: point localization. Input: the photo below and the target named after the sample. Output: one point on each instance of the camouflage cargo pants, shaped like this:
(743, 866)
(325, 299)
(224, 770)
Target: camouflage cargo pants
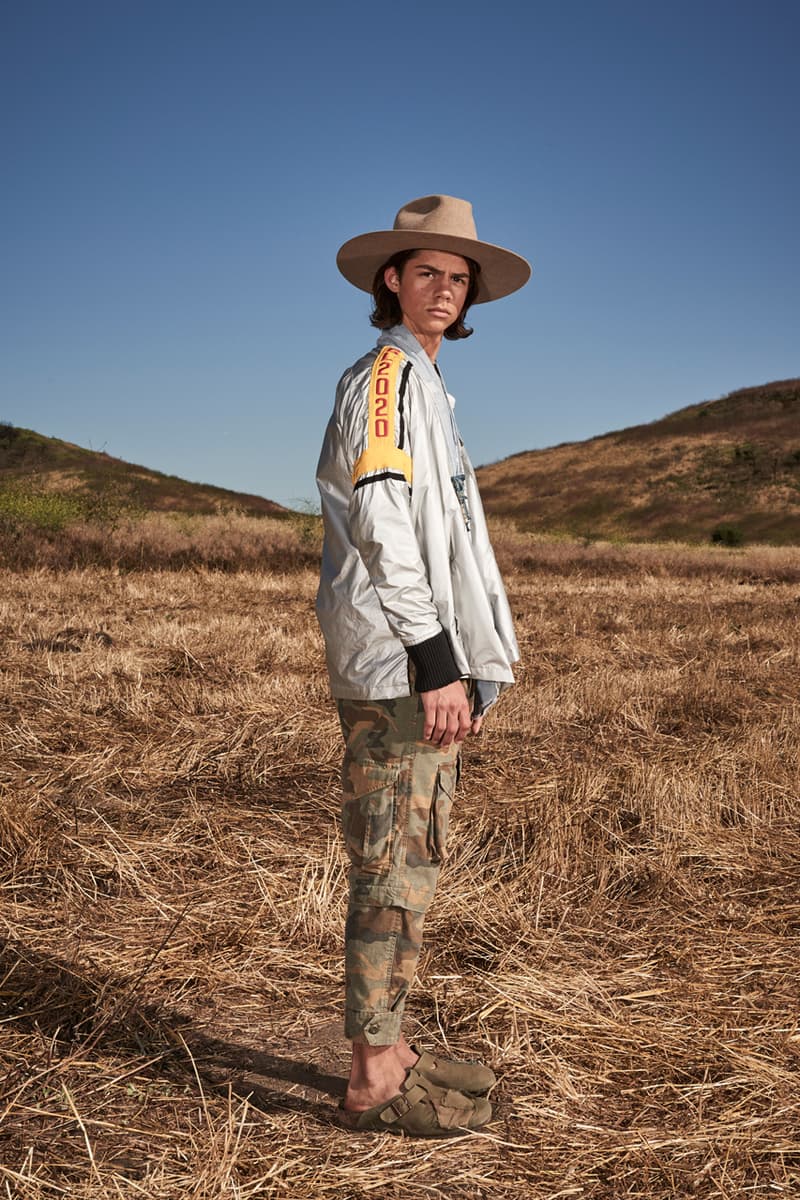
(395, 811)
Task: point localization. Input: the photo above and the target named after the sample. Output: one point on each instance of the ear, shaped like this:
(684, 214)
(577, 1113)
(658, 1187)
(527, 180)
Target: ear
(391, 279)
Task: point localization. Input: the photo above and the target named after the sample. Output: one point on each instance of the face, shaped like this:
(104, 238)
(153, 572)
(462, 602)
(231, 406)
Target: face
(432, 291)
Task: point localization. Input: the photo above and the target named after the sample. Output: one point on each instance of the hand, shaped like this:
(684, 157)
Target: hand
(447, 715)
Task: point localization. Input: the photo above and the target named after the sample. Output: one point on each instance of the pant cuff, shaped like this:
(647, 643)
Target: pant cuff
(376, 1029)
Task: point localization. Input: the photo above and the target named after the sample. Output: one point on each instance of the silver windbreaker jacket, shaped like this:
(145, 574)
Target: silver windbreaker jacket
(399, 563)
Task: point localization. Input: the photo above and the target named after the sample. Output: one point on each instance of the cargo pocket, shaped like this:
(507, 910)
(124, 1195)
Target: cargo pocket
(439, 822)
(369, 815)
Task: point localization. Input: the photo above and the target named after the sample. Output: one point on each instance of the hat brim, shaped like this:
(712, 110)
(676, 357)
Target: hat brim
(502, 271)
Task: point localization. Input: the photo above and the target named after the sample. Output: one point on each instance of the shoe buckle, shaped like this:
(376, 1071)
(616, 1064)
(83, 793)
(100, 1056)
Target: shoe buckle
(398, 1108)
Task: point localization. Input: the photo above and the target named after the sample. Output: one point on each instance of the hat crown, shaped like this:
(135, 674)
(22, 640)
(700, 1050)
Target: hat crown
(438, 214)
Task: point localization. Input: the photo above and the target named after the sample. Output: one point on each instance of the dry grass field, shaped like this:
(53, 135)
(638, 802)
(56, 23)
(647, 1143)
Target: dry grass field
(616, 931)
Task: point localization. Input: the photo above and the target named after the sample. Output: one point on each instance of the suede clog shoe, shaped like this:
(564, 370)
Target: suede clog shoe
(471, 1078)
(421, 1109)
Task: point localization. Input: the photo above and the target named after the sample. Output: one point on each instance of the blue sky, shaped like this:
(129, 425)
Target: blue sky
(177, 178)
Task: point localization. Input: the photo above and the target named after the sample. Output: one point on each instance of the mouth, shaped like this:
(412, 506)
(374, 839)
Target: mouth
(439, 312)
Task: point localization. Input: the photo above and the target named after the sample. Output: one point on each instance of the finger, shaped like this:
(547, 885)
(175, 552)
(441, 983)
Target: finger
(476, 725)
(464, 725)
(449, 731)
(430, 711)
(457, 725)
(435, 726)
(463, 722)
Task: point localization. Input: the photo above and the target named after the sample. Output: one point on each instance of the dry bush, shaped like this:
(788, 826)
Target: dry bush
(521, 551)
(615, 933)
(166, 541)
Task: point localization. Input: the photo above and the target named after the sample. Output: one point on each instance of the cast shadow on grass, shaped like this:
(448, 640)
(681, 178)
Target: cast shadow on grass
(73, 1012)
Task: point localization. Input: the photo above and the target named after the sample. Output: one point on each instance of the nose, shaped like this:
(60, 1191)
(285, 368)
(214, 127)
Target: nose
(445, 286)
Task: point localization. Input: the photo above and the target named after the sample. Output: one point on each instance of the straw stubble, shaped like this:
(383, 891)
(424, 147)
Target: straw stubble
(615, 932)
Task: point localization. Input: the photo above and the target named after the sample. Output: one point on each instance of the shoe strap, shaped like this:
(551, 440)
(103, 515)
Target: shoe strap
(403, 1103)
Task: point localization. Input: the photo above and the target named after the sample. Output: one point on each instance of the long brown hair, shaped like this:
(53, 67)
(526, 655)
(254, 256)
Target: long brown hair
(387, 311)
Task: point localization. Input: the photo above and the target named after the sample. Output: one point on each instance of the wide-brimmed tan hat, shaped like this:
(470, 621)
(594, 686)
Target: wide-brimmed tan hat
(435, 223)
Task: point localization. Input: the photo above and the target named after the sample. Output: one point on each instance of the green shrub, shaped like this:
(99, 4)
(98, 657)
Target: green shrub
(745, 452)
(727, 535)
(47, 511)
(307, 521)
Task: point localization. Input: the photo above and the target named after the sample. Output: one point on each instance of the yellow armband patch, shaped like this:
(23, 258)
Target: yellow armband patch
(382, 454)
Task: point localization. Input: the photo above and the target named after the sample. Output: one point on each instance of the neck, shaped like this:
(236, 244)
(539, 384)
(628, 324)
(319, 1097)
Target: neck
(430, 342)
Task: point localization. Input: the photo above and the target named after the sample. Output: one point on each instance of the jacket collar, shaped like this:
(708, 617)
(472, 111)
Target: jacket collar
(399, 336)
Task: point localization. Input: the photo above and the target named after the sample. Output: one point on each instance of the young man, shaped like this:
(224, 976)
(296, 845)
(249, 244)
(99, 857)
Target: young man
(418, 635)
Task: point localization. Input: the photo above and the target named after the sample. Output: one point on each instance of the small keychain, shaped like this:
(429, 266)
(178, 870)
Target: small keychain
(459, 483)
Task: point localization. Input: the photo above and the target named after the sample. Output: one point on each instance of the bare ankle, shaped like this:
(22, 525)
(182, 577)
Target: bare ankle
(406, 1055)
(376, 1074)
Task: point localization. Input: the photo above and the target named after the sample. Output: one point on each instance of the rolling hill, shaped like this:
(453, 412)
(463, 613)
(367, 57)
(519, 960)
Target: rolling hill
(725, 470)
(93, 481)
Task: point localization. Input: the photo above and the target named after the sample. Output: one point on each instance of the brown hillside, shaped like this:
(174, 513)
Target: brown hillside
(93, 480)
(727, 468)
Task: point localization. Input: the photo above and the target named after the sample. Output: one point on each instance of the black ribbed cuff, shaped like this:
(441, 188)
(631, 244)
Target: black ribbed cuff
(434, 665)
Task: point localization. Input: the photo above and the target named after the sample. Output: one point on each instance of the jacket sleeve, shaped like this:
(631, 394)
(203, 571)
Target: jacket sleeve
(378, 446)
